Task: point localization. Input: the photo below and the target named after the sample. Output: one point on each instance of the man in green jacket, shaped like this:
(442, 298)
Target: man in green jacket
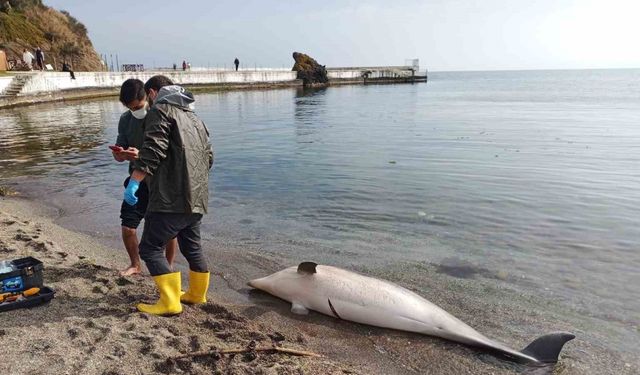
(129, 141)
(175, 159)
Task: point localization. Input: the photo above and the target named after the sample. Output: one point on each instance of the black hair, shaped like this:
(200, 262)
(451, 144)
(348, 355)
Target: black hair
(132, 89)
(157, 82)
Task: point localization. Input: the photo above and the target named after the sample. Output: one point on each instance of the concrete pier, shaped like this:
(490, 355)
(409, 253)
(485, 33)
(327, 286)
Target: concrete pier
(24, 88)
(379, 74)
(4, 83)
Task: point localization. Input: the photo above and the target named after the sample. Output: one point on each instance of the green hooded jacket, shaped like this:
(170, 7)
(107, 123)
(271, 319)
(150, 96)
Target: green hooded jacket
(176, 154)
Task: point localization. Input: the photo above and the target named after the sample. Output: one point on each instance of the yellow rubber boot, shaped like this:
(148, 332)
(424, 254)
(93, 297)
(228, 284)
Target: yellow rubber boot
(169, 302)
(198, 286)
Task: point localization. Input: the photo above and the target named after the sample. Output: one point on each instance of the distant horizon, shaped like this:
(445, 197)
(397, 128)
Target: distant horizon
(446, 35)
(421, 69)
(527, 70)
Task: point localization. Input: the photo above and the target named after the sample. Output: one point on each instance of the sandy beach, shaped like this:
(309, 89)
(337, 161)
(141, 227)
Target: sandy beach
(92, 327)
(475, 164)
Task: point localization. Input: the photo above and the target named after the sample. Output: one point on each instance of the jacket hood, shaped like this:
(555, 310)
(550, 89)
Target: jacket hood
(175, 95)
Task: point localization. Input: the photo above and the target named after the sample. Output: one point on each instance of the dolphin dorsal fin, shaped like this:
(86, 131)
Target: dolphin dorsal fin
(547, 348)
(307, 267)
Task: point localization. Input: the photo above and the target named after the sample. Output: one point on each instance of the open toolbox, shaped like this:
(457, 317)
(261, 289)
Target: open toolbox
(22, 284)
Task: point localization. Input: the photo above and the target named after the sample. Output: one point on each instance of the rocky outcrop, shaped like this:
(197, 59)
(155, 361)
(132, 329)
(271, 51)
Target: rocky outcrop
(309, 71)
(30, 24)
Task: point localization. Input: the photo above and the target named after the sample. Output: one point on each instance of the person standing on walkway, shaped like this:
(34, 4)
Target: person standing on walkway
(27, 57)
(40, 58)
(184, 65)
(176, 155)
(130, 136)
(236, 62)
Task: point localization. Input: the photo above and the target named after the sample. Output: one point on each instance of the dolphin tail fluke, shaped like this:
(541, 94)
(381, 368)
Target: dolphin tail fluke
(547, 348)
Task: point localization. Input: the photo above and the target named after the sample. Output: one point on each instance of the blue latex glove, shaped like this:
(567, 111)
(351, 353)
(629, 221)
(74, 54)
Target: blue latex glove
(130, 192)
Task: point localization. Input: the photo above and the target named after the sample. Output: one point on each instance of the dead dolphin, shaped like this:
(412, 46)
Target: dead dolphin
(351, 296)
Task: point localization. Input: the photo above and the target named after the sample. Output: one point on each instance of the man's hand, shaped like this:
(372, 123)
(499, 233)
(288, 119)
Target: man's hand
(116, 152)
(118, 157)
(132, 187)
(130, 192)
(130, 154)
(121, 155)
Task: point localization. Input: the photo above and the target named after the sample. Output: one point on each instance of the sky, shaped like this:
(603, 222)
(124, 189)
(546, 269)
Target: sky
(445, 35)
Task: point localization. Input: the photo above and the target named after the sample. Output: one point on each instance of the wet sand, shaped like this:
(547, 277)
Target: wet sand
(92, 327)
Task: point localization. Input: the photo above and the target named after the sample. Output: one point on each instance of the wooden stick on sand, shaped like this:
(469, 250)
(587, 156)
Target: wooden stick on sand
(274, 349)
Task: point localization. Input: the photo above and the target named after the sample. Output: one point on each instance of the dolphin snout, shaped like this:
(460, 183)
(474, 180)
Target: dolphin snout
(257, 283)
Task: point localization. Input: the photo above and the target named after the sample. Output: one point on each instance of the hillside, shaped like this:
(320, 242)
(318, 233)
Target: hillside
(29, 24)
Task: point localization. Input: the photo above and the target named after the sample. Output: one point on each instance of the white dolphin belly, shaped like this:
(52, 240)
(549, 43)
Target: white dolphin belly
(351, 296)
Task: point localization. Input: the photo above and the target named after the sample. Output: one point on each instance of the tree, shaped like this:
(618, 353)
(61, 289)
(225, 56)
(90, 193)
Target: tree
(6, 7)
(22, 4)
(70, 50)
(77, 26)
(51, 36)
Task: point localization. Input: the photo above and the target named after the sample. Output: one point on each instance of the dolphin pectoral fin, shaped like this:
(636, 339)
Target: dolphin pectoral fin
(298, 309)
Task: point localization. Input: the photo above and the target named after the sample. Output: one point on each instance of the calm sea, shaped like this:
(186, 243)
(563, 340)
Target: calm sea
(531, 176)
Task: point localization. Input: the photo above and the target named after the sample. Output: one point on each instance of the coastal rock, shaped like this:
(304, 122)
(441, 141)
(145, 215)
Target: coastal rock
(309, 71)
(30, 24)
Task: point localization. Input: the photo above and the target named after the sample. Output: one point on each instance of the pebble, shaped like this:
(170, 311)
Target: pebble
(277, 336)
(22, 237)
(100, 289)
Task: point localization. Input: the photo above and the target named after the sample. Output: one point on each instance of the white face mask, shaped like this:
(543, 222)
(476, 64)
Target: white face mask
(140, 113)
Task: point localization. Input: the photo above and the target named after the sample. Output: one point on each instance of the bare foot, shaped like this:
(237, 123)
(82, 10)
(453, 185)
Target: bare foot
(130, 271)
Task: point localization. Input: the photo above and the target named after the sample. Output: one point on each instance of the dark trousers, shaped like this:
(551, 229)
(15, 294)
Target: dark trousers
(159, 228)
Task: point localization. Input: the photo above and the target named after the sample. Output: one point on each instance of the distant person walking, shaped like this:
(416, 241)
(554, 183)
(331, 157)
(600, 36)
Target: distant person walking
(27, 57)
(40, 58)
(236, 62)
(184, 65)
